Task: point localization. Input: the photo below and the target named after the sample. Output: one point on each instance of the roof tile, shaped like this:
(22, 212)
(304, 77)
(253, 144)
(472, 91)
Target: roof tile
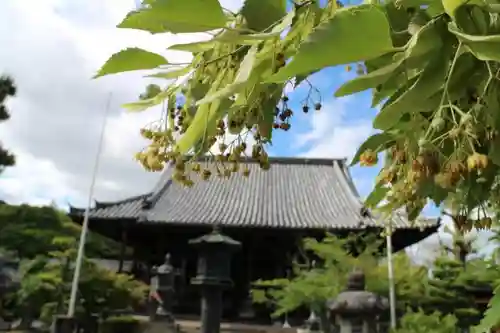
(295, 193)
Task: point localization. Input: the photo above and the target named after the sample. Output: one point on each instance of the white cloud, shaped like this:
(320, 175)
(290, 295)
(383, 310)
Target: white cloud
(35, 181)
(330, 135)
(54, 48)
(427, 250)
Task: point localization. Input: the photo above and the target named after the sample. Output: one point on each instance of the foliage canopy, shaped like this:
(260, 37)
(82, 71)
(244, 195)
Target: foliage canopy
(433, 66)
(46, 283)
(312, 285)
(29, 231)
(44, 242)
(447, 297)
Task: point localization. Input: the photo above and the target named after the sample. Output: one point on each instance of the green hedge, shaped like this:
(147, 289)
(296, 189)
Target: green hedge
(122, 324)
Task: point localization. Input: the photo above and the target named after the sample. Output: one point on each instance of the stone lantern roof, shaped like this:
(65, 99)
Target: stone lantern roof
(215, 237)
(355, 300)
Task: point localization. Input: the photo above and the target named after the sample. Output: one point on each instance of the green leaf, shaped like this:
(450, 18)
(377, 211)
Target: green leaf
(142, 105)
(424, 41)
(439, 195)
(370, 80)
(172, 74)
(269, 109)
(331, 43)
(417, 96)
(376, 142)
(376, 196)
(494, 153)
(204, 121)
(485, 48)
(177, 16)
(239, 82)
(451, 6)
(260, 15)
(131, 59)
(229, 37)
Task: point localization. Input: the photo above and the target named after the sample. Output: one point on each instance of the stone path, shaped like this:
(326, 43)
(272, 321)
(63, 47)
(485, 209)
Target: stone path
(191, 326)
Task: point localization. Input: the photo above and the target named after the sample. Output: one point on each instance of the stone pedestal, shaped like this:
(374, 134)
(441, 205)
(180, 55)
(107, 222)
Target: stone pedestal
(63, 324)
(211, 308)
(163, 287)
(313, 323)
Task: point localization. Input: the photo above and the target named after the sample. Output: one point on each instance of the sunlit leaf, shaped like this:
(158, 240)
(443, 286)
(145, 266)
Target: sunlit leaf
(376, 196)
(226, 37)
(485, 48)
(239, 82)
(253, 12)
(331, 43)
(131, 59)
(145, 104)
(177, 16)
(417, 95)
(370, 80)
(171, 74)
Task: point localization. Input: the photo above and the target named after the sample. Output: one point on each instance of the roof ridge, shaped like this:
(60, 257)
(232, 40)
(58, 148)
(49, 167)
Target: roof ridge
(104, 204)
(283, 160)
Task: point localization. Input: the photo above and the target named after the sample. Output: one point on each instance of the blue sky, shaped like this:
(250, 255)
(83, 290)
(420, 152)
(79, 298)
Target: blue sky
(352, 110)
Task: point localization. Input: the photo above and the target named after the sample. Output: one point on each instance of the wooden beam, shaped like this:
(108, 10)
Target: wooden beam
(123, 248)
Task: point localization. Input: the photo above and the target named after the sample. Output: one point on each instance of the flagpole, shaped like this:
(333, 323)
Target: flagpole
(390, 275)
(85, 224)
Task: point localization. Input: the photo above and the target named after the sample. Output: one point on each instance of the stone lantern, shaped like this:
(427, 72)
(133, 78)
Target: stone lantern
(356, 310)
(163, 284)
(213, 275)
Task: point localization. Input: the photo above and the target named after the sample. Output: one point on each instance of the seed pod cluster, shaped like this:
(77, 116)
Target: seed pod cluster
(179, 118)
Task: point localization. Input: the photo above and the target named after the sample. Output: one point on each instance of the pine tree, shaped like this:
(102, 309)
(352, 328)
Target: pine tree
(449, 293)
(7, 89)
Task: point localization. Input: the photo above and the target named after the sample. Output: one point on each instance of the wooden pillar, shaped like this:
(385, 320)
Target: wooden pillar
(250, 263)
(123, 248)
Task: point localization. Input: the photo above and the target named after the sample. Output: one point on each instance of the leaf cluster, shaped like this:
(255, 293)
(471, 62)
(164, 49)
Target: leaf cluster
(337, 257)
(449, 296)
(421, 322)
(28, 231)
(226, 89)
(433, 67)
(440, 81)
(46, 283)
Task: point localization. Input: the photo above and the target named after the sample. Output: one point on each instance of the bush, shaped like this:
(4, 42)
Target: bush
(122, 324)
(46, 282)
(420, 322)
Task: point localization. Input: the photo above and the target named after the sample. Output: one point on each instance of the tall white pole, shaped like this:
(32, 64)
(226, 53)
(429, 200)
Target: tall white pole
(85, 224)
(390, 274)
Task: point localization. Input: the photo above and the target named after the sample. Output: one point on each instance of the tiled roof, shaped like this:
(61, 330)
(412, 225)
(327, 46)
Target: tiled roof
(295, 193)
(129, 208)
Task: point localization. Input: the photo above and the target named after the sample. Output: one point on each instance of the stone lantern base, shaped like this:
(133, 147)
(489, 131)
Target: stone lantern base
(63, 324)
